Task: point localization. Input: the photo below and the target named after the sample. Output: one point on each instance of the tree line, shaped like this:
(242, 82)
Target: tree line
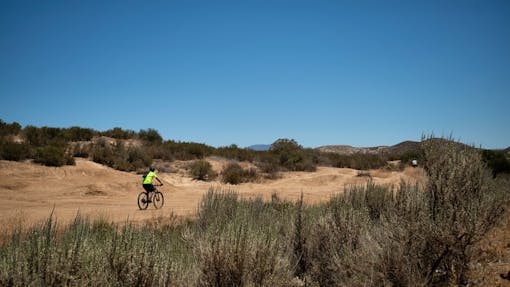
(129, 150)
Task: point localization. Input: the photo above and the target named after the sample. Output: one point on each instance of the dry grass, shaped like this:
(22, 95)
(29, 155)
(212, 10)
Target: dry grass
(18, 220)
(414, 172)
(381, 173)
(493, 256)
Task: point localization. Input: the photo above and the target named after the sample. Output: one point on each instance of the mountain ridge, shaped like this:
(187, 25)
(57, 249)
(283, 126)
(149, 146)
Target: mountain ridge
(401, 147)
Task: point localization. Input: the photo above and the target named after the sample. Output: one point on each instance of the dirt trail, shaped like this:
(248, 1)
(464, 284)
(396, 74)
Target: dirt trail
(32, 192)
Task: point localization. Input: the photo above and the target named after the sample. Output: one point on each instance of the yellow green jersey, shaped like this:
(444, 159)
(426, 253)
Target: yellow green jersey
(149, 178)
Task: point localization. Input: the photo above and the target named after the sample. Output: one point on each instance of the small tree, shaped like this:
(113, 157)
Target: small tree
(292, 156)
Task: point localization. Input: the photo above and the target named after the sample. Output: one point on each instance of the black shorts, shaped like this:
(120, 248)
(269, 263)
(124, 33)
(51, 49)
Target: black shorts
(149, 187)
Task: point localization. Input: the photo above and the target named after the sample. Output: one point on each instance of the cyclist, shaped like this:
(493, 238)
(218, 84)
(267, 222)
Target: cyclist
(147, 181)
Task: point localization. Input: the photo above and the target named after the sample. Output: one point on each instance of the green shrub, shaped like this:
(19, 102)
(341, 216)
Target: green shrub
(496, 161)
(292, 156)
(171, 150)
(358, 161)
(138, 158)
(78, 134)
(119, 133)
(161, 152)
(233, 173)
(14, 151)
(45, 136)
(202, 170)
(102, 152)
(52, 156)
(9, 129)
(233, 152)
(150, 135)
(408, 156)
(120, 158)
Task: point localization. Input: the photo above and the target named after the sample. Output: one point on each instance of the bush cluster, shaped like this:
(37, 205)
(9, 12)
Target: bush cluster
(172, 150)
(292, 156)
(202, 170)
(358, 161)
(236, 153)
(497, 161)
(269, 169)
(52, 156)
(14, 151)
(46, 145)
(118, 133)
(46, 136)
(150, 135)
(233, 173)
(9, 129)
(119, 157)
(284, 154)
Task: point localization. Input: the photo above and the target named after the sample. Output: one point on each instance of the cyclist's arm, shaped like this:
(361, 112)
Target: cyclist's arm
(159, 181)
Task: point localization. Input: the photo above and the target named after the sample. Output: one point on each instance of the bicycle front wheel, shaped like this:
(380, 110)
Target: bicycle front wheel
(143, 200)
(158, 200)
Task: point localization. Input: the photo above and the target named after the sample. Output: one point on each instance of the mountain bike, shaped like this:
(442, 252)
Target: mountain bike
(156, 197)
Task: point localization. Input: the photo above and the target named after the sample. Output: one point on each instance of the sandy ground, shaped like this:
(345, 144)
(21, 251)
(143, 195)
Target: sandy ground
(31, 192)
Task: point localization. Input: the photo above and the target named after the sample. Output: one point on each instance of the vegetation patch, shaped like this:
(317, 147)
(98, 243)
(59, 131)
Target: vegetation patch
(53, 156)
(202, 170)
(233, 173)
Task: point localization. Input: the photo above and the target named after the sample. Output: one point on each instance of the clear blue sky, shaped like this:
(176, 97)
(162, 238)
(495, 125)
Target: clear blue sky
(357, 72)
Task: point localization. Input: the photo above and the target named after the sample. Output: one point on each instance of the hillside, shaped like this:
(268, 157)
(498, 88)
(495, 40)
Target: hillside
(395, 149)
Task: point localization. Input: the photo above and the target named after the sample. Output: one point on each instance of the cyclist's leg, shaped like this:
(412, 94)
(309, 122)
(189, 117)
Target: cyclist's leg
(148, 188)
(149, 196)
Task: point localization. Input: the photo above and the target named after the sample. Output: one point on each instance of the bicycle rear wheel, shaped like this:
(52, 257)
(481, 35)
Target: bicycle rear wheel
(158, 199)
(143, 200)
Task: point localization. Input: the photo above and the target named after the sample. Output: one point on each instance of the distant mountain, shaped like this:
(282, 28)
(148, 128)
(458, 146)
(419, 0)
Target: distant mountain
(259, 147)
(395, 149)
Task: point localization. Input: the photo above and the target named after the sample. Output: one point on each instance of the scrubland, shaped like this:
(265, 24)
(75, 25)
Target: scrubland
(432, 232)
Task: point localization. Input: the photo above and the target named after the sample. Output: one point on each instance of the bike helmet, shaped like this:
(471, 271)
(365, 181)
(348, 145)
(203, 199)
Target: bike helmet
(152, 168)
